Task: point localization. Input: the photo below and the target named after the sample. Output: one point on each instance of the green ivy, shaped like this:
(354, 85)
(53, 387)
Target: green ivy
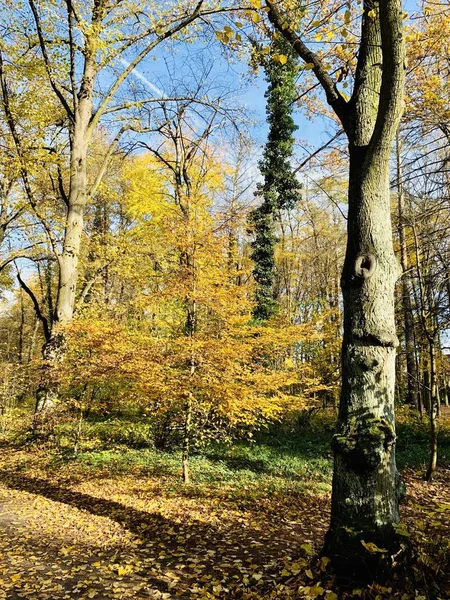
(280, 189)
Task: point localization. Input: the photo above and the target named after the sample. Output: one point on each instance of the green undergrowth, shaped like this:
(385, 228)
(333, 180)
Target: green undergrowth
(249, 469)
(413, 441)
(284, 459)
(281, 459)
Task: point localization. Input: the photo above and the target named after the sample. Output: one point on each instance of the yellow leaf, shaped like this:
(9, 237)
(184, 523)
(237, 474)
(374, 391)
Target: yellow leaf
(282, 59)
(372, 548)
(315, 591)
(372, 14)
(308, 549)
(124, 570)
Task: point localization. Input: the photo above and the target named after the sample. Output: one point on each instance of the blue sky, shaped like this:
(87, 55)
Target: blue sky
(175, 67)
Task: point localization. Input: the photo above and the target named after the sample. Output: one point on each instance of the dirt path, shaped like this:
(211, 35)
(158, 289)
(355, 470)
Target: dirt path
(129, 538)
(61, 542)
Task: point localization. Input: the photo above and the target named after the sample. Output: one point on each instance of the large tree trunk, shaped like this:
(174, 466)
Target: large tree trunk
(68, 261)
(54, 349)
(366, 483)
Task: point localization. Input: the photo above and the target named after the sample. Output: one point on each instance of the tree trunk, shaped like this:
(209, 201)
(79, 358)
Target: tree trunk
(47, 391)
(55, 347)
(426, 388)
(21, 329)
(186, 441)
(68, 261)
(366, 483)
(432, 463)
(445, 391)
(411, 371)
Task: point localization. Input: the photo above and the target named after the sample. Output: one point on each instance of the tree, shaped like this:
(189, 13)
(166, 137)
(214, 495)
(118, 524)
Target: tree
(406, 293)
(366, 486)
(77, 55)
(280, 189)
(182, 346)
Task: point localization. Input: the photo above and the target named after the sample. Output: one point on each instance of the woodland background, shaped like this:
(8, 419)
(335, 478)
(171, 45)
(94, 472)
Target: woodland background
(169, 369)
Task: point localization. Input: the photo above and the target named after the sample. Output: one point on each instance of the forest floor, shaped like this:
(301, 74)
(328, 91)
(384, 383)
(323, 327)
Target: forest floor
(118, 524)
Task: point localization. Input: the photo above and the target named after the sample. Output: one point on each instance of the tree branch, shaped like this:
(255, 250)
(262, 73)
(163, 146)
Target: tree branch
(47, 64)
(393, 77)
(133, 64)
(334, 97)
(36, 306)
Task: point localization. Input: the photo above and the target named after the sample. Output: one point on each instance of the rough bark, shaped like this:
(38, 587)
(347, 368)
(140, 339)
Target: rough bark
(366, 485)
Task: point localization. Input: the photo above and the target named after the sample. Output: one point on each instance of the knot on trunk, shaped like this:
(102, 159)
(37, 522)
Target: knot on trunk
(385, 339)
(53, 350)
(365, 265)
(362, 443)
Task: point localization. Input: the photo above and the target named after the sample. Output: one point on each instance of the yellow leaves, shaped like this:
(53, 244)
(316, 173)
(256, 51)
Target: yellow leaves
(15, 577)
(123, 570)
(314, 591)
(308, 549)
(281, 58)
(372, 14)
(226, 35)
(145, 187)
(373, 548)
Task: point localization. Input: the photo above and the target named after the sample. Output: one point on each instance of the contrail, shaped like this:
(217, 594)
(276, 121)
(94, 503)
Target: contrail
(143, 78)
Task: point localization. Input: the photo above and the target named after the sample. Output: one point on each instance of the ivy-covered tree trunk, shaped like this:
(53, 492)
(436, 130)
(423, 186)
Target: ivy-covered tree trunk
(280, 188)
(362, 540)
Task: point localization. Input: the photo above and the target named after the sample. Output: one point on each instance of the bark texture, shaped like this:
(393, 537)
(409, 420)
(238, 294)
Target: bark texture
(362, 540)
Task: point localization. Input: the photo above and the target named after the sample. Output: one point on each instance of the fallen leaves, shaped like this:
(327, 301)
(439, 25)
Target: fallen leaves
(127, 538)
(64, 537)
